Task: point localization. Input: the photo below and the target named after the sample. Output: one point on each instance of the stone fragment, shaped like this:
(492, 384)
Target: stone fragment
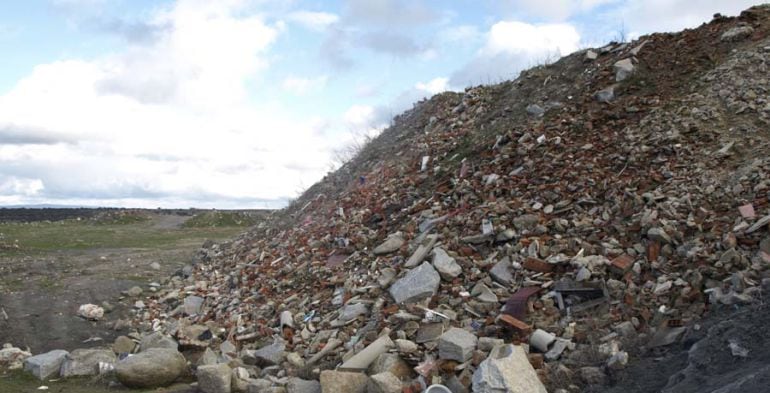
(134, 291)
(12, 358)
(419, 283)
(622, 264)
(193, 304)
(483, 293)
(486, 344)
(457, 344)
(297, 385)
(269, 355)
(85, 362)
(446, 266)
(605, 95)
(618, 361)
(535, 110)
(391, 363)
(384, 383)
(214, 378)
(502, 272)
(391, 244)
(154, 367)
(46, 365)
(623, 69)
(507, 369)
(659, 235)
(259, 386)
(349, 313)
(343, 382)
(591, 55)
(558, 347)
(406, 346)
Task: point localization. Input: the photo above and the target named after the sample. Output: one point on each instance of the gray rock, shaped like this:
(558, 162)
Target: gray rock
(486, 344)
(157, 340)
(658, 234)
(269, 355)
(618, 361)
(297, 385)
(623, 69)
(85, 362)
(208, 357)
(406, 346)
(387, 275)
(457, 344)
(192, 305)
(349, 313)
(343, 382)
(737, 33)
(391, 244)
(605, 95)
(239, 381)
(507, 369)
(214, 378)
(46, 365)
(502, 272)
(134, 291)
(526, 221)
(483, 293)
(259, 386)
(384, 383)
(446, 266)
(535, 110)
(557, 349)
(419, 283)
(591, 55)
(152, 368)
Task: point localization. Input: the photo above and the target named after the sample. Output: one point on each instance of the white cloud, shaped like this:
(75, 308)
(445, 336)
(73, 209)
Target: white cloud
(317, 21)
(553, 10)
(512, 46)
(14, 186)
(302, 86)
(166, 123)
(646, 16)
(434, 86)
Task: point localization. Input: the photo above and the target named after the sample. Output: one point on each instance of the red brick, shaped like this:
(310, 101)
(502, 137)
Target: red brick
(537, 265)
(621, 264)
(516, 324)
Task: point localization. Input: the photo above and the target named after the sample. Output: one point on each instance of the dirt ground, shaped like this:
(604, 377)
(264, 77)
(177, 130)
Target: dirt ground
(41, 289)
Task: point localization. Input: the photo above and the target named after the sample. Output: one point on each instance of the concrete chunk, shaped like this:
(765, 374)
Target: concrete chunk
(507, 369)
(46, 365)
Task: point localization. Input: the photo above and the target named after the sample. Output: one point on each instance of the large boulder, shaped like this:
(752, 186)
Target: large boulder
(152, 368)
(46, 365)
(215, 378)
(85, 362)
(507, 369)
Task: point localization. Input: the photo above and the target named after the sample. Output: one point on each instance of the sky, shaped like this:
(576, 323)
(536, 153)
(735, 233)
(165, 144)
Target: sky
(246, 103)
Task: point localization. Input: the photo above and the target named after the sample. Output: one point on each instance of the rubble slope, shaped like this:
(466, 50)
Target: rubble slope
(608, 201)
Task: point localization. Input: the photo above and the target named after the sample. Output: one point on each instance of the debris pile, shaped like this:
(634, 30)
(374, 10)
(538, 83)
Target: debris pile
(519, 237)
